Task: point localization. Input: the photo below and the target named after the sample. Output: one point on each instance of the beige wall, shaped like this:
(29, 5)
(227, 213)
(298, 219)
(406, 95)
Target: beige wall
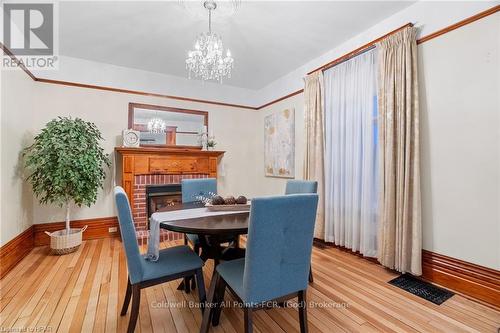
(460, 125)
(233, 128)
(274, 185)
(16, 114)
(27, 106)
(460, 131)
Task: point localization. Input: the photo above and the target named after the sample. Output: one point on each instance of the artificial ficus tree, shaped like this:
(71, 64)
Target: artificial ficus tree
(66, 163)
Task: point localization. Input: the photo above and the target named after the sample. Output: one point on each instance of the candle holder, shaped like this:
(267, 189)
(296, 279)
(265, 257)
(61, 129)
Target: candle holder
(203, 140)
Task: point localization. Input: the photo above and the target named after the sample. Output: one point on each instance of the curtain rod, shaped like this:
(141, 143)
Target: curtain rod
(360, 50)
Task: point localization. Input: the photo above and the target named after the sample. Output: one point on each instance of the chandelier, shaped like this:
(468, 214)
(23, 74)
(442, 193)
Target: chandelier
(207, 60)
(156, 125)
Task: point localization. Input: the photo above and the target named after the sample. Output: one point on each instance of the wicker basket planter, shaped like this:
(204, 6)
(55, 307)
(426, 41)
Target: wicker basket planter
(62, 242)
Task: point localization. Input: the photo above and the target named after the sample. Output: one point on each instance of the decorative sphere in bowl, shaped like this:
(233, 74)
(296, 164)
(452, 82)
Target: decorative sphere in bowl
(217, 200)
(230, 200)
(241, 200)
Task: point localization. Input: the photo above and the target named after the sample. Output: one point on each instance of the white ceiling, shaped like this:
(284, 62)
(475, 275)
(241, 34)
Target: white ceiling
(268, 39)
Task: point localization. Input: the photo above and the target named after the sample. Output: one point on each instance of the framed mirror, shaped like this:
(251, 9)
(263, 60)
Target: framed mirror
(167, 127)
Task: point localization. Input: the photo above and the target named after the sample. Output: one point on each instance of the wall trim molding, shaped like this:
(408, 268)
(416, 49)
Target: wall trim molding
(459, 24)
(20, 64)
(475, 281)
(479, 283)
(281, 99)
(187, 99)
(97, 228)
(142, 93)
(365, 47)
(15, 250)
(118, 90)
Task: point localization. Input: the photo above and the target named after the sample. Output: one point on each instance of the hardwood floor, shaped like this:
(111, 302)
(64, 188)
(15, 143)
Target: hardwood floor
(83, 292)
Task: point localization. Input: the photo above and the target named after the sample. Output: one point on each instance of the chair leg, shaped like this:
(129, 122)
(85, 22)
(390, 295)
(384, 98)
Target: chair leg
(237, 242)
(196, 249)
(126, 300)
(248, 319)
(311, 279)
(134, 313)
(219, 299)
(202, 297)
(207, 314)
(303, 311)
(193, 282)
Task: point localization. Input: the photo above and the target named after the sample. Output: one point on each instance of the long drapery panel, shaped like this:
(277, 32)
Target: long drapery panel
(400, 230)
(351, 154)
(314, 147)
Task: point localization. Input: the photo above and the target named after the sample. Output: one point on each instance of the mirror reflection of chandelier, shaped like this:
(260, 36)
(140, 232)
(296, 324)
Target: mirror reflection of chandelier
(156, 125)
(207, 60)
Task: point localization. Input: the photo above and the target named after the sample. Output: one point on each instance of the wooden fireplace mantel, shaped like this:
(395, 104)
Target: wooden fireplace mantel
(164, 161)
(168, 151)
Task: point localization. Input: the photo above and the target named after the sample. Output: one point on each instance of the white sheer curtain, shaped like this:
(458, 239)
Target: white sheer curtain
(351, 154)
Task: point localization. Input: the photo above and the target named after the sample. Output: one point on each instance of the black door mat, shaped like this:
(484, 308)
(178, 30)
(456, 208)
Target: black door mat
(421, 288)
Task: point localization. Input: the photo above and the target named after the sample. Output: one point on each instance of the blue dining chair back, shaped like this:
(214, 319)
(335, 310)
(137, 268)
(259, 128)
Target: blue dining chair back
(173, 263)
(192, 188)
(277, 259)
(301, 186)
(129, 238)
(279, 245)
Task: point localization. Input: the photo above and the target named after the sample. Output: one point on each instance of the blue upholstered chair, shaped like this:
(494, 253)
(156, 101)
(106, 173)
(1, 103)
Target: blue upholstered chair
(174, 262)
(277, 260)
(302, 186)
(191, 190)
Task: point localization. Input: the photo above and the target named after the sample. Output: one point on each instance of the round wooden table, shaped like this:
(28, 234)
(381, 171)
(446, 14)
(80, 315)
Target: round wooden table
(212, 231)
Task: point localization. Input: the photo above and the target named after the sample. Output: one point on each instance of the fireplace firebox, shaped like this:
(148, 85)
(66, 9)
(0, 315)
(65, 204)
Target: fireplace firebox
(161, 196)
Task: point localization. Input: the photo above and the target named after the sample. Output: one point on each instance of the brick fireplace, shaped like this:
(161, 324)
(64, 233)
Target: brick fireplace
(140, 214)
(148, 166)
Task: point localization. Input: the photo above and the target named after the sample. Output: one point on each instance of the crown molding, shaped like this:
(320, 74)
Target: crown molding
(142, 93)
(460, 24)
(338, 60)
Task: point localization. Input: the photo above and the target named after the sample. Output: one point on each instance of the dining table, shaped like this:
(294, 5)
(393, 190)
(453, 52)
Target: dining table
(213, 230)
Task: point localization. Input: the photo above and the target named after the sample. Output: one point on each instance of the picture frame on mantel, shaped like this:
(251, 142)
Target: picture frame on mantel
(182, 127)
(279, 144)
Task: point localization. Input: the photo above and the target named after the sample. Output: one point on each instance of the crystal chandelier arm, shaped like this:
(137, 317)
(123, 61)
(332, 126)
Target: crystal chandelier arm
(209, 21)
